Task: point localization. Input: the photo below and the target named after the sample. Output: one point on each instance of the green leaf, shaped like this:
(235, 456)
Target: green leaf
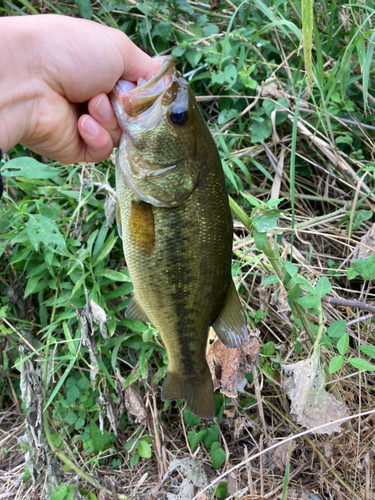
(226, 115)
(105, 250)
(343, 344)
(195, 438)
(309, 301)
(260, 239)
(113, 275)
(60, 494)
(72, 393)
(193, 56)
(100, 441)
(366, 267)
(178, 51)
(337, 328)
(221, 490)
(144, 449)
(211, 436)
(268, 349)
(290, 268)
(369, 350)
(217, 455)
(29, 168)
(323, 287)
(190, 418)
(260, 131)
(266, 221)
(271, 280)
(85, 8)
(134, 460)
(307, 30)
(359, 217)
(44, 230)
(361, 364)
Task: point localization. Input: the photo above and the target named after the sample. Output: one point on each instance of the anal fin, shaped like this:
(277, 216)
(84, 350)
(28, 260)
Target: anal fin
(135, 311)
(230, 325)
(199, 394)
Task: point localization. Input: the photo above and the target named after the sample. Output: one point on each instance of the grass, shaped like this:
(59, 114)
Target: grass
(304, 138)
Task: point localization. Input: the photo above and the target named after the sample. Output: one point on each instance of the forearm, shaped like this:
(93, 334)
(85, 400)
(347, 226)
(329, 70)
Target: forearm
(19, 84)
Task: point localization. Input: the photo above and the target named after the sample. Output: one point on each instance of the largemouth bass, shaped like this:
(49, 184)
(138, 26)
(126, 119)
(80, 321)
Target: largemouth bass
(173, 216)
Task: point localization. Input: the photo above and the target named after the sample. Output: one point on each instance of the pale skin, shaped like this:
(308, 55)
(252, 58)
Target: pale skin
(50, 68)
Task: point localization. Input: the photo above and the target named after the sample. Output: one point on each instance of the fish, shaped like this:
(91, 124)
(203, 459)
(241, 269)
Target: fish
(174, 219)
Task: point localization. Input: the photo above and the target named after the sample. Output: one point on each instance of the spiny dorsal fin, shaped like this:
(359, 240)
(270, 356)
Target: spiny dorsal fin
(135, 311)
(230, 325)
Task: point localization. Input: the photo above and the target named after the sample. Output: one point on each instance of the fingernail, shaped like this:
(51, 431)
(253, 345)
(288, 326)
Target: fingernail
(103, 108)
(90, 126)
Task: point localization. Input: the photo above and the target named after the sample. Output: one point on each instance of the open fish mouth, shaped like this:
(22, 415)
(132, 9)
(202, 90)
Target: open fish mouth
(130, 100)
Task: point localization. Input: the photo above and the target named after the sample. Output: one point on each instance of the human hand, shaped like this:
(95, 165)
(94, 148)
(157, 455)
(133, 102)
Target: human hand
(52, 65)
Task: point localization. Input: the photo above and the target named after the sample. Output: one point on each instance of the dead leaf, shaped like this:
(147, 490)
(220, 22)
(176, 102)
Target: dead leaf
(270, 90)
(109, 209)
(312, 405)
(280, 456)
(239, 424)
(135, 405)
(282, 301)
(194, 476)
(368, 239)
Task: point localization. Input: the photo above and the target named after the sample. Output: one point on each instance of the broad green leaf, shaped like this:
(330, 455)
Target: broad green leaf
(290, 268)
(226, 115)
(343, 344)
(368, 349)
(60, 494)
(260, 239)
(309, 301)
(323, 287)
(271, 280)
(144, 449)
(41, 229)
(191, 419)
(361, 364)
(134, 460)
(335, 364)
(337, 328)
(85, 8)
(217, 455)
(267, 221)
(211, 436)
(260, 131)
(221, 490)
(113, 275)
(195, 438)
(29, 168)
(100, 441)
(72, 393)
(268, 349)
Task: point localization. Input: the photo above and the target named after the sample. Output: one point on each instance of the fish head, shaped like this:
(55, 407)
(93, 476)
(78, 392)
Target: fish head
(157, 153)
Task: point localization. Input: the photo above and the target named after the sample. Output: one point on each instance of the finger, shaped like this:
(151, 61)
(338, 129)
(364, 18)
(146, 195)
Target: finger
(101, 110)
(98, 141)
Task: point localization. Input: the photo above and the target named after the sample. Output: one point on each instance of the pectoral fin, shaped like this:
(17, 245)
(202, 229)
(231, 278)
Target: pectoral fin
(230, 325)
(135, 311)
(142, 226)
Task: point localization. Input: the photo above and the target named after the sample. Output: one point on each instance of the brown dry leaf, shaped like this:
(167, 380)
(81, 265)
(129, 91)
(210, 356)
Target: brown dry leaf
(282, 302)
(239, 424)
(264, 297)
(135, 405)
(280, 456)
(270, 90)
(228, 366)
(311, 404)
(368, 239)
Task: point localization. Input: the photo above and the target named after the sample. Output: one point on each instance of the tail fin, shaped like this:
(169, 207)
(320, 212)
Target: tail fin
(199, 394)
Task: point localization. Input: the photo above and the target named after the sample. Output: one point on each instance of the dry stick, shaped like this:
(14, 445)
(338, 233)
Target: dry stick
(254, 370)
(360, 319)
(287, 440)
(349, 303)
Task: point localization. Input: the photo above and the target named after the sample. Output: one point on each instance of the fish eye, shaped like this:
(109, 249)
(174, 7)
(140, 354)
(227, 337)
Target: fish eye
(178, 115)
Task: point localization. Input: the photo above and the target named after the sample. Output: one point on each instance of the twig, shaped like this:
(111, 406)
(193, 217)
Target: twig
(349, 303)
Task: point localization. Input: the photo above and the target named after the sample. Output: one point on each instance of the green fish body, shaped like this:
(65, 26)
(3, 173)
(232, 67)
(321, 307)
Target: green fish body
(175, 222)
